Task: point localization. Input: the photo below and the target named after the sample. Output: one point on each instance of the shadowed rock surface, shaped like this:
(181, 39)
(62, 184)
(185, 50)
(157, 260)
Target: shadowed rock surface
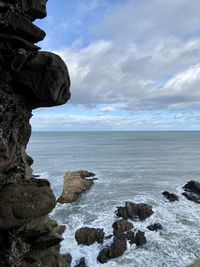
(115, 250)
(75, 183)
(81, 263)
(170, 196)
(121, 226)
(192, 191)
(28, 79)
(155, 227)
(88, 236)
(134, 211)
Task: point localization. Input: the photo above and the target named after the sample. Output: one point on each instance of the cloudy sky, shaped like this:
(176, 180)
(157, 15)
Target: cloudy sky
(134, 64)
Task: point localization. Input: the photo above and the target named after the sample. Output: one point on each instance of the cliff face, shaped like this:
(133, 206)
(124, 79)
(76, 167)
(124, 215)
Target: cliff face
(28, 79)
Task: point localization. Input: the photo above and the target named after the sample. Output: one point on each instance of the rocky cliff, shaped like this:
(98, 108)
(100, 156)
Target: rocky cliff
(29, 79)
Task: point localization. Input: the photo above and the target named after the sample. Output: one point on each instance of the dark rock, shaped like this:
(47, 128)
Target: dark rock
(170, 196)
(68, 258)
(140, 239)
(88, 236)
(75, 183)
(192, 186)
(192, 197)
(115, 250)
(81, 263)
(130, 236)
(47, 241)
(134, 211)
(155, 227)
(121, 226)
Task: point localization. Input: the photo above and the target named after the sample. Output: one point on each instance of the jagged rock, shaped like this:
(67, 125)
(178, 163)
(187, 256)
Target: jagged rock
(75, 183)
(115, 250)
(81, 263)
(170, 196)
(135, 211)
(88, 236)
(121, 226)
(192, 197)
(155, 227)
(140, 238)
(47, 240)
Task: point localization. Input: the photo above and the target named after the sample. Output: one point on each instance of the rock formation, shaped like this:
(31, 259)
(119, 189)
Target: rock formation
(192, 191)
(75, 183)
(28, 79)
(170, 196)
(88, 236)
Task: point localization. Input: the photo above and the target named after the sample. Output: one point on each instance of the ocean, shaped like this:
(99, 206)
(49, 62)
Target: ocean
(131, 166)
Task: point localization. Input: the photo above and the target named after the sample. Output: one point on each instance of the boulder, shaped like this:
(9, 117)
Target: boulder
(75, 183)
(130, 236)
(155, 227)
(170, 196)
(134, 211)
(88, 236)
(192, 191)
(121, 226)
(47, 240)
(140, 239)
(115, 250)
(81, 263)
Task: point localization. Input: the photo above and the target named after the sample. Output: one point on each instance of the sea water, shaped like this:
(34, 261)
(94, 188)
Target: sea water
(131, 166)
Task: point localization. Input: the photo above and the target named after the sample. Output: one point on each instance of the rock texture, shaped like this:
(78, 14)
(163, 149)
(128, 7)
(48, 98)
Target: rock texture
(75, 183)
(192, 191)
(170, 196)
(88, 236)
(28, 79)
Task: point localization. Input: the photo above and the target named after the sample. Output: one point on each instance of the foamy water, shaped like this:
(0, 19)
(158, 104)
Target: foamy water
(131, 167)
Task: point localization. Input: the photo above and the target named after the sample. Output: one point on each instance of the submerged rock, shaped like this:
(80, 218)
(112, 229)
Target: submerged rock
(115, 250)
(81, 263)
(88, 236)
(155, 227)
(134, 211)
(140, 239)
(75, 183)
(170, 196)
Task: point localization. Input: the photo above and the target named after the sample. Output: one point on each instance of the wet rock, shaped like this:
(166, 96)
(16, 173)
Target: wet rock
(192, 186)
(81, 263)
(134, 211)
(130, 236)
(75, 183)
(140, 239)
(121, 226)
(170, 196)
(155, 227)
(88, 236)
(47, 240)
(192, 197)
(115, 250)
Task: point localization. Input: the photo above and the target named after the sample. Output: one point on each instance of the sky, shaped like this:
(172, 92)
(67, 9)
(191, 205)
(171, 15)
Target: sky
(134, 65)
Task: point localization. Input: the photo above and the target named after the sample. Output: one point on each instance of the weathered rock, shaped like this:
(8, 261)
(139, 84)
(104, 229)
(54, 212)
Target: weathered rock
(28, 79)
(21, 203)
(75, 183)
(155, 227)
(88, 236)
(140, 238)
(115, 250)
(81, 263)
(134, 211)
(192, 197)
(121, 226)
(170, 196)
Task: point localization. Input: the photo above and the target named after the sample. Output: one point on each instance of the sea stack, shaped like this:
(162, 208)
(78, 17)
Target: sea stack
(28, 79)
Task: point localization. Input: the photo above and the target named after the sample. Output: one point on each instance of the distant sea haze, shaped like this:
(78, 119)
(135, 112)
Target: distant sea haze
(134, 166)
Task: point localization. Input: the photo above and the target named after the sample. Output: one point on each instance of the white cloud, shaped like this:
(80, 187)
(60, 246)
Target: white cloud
(107, 109)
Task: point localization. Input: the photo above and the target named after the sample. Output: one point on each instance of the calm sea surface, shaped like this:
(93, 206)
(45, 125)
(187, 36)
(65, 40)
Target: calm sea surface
(134, 166)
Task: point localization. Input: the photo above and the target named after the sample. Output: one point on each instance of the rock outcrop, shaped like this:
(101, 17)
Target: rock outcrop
(134, 211)
(88, 236)
(75, 183)
(170, 196)
(192, 191)
(28, 79)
